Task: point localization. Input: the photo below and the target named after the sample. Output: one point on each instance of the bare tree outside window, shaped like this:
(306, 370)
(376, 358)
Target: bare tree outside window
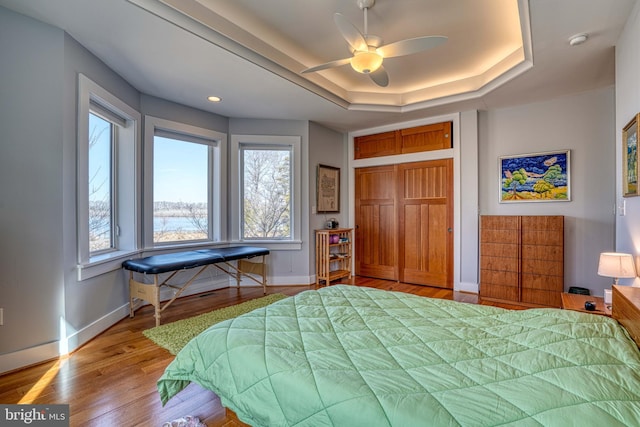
(266, 194)
(100, 188)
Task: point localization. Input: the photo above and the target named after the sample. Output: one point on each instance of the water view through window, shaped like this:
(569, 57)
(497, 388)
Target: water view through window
(180, 190)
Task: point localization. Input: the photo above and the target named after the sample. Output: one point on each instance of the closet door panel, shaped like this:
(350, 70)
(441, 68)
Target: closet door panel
(425, 259)
(376, 223)
(425, 138)
(425, 230)
(379, 144)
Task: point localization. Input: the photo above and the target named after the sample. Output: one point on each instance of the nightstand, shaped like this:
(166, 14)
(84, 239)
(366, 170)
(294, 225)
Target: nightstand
(576, 302)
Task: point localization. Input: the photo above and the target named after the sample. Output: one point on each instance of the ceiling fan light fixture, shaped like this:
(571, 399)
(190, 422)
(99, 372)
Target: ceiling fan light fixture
(366, 62)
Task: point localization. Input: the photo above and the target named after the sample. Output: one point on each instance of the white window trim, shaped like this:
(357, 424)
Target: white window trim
(217, 196)
(295, 143)
(128, 214)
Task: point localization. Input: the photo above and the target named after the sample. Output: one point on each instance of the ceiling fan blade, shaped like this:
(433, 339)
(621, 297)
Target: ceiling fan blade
(336, 63)
(350, 33)
(380, 77)
(410, 46)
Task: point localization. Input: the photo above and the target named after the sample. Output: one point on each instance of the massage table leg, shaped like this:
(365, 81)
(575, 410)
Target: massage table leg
(150, 292)
(246, 268)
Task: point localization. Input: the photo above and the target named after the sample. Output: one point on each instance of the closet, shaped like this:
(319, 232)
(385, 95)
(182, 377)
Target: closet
(522, 259)
(404, 222)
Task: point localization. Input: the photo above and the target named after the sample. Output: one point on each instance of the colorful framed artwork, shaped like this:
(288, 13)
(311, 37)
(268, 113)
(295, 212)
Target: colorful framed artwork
(537, 177)
(630, 158)
(328, 189)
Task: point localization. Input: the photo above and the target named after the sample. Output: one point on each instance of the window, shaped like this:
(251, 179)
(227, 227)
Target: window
(185, 185)
(266, 192)
(107, 180)
(101, 218)
(267, 197)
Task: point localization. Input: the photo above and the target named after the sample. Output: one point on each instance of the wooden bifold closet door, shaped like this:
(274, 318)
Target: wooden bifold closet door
(376, 222)
(425, 229)
(404, 220)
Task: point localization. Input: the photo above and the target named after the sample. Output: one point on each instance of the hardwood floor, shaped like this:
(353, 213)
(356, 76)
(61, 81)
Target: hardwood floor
(111, 380)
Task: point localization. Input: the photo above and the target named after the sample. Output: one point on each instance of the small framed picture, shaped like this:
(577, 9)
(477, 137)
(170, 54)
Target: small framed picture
(630, 158)
(537, 177)
(328, 189)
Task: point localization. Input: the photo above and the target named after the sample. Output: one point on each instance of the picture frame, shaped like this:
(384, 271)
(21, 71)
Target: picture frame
(630, 158)
(328, 189)
(535, 177)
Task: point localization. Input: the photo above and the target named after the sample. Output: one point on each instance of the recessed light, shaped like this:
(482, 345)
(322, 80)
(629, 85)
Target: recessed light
(578, 39)
(214, 98)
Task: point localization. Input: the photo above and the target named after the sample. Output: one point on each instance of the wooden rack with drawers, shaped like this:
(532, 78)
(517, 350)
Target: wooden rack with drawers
(334, 254)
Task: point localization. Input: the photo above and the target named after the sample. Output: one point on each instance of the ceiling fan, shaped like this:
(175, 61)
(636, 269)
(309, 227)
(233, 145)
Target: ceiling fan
(368, 52)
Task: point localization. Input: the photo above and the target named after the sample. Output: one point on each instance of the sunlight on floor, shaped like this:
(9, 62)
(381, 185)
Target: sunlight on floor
(43, 382)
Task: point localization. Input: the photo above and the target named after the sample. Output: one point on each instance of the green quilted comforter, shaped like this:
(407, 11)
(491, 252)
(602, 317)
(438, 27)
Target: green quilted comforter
(354, 356)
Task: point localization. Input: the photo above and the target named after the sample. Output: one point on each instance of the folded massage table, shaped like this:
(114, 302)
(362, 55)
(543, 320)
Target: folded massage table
(234, 261)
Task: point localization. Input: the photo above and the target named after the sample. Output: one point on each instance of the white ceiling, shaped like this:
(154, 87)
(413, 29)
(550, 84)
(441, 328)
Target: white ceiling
(250, 52)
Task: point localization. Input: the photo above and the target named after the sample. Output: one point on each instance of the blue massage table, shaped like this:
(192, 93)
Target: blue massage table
(234, 261)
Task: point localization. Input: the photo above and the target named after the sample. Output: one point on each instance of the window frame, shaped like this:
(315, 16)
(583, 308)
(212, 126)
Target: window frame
(290, 142)
(113, 182)
(217, 176)
(126, 182)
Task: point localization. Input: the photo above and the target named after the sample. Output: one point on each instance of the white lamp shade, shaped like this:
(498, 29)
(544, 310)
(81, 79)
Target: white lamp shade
(616, 265)
(366, 62)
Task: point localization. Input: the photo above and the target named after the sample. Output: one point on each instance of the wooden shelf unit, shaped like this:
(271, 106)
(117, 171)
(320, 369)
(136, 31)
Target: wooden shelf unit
(333, 260)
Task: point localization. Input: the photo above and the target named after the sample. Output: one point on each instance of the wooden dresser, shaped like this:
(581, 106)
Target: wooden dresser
(522, 259)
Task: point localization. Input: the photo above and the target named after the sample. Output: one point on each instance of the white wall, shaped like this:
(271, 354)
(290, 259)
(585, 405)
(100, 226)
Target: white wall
(467, 255)
(627, 106)
(31, 153)
(327, 147)
(584, 124)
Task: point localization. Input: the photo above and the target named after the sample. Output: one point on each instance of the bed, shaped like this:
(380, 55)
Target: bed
(234, 261)
(355, 356)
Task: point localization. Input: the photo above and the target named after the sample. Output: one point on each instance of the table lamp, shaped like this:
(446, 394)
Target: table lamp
(616, 265)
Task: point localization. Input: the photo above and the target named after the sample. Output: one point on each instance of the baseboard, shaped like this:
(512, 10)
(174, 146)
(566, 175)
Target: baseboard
(468, 287)
(291, 281)
(92, 330)
(29, 356)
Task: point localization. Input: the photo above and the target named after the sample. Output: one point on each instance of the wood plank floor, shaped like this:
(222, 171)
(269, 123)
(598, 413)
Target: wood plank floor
(111, 380)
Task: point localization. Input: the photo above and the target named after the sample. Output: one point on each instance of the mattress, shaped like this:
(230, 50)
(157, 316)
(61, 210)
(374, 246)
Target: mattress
(354, 356)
